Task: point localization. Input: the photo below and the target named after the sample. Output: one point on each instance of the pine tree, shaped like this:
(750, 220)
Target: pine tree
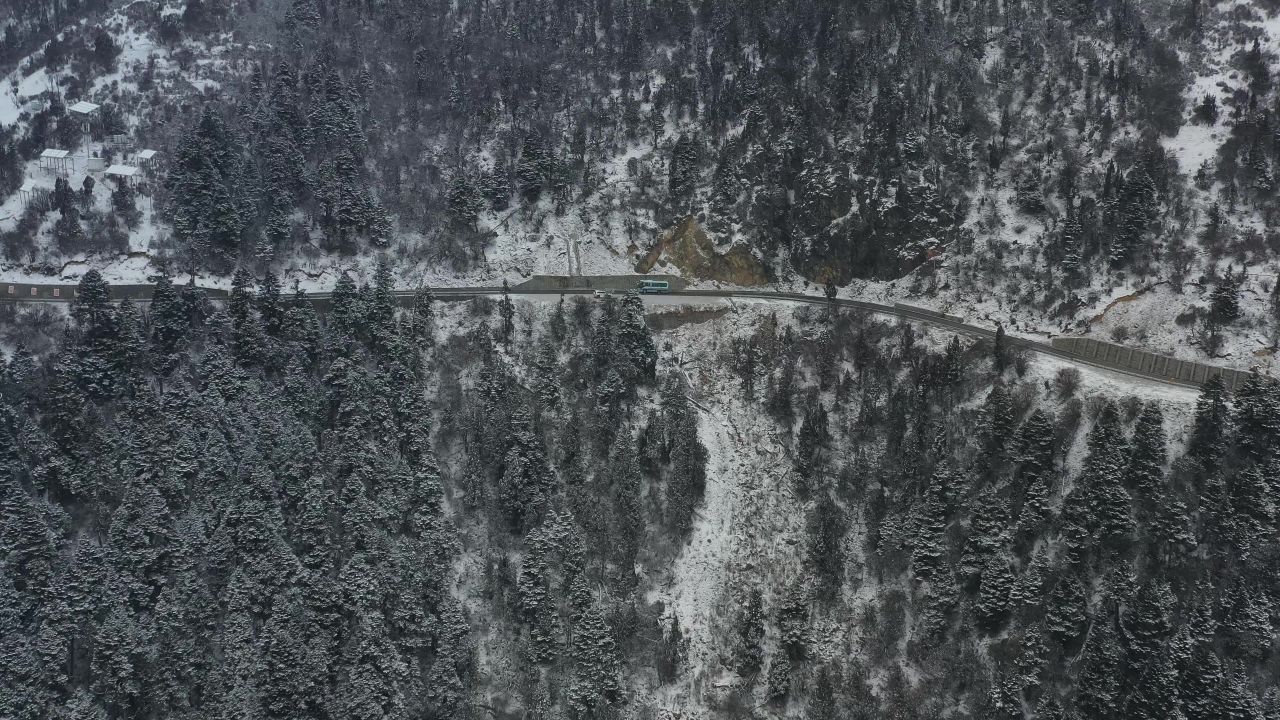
(825, 529)
(1000, 357)
(1252, 507)
(527, 484)
(1136, 210)
(813, 438)
(30, 552)
(672, 652)
(92, 305)
(998, 421)
(507, 311)
(1104, 498)
(1065, 609)
(1035, 655)
(117, 656)
(1212, 426)
(749, 633)
(687, 475)
(536, 604)
(1146, 622)
(822, 704)
(21, 692)
(270, 309)
(988, 532)
(683, 173)
(1235, 699)
(1171, 525)
(1049, 708)
(596, 681)
(1035, 455)
(1257, 417)
(778, 683)
(207, 212)
(793, 622)
(547, 380)
(168, 320)
(1200, 684)
(635, 341)
(291, 673)
(1005, 699)
(1224, 301)
(1155, 697)
(246, 338)
(380, 311)
(68, 233)
(465, 201)
(370, 683)
(422, 317)
(1147, 455)
(1098, 686)
(929, 550)
(994, 587)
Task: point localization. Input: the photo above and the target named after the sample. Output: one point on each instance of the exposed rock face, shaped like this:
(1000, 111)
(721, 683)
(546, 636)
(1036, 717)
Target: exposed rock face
(689, 248)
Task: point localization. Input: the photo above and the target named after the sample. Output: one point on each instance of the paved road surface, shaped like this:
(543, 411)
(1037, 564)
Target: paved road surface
(25, 292)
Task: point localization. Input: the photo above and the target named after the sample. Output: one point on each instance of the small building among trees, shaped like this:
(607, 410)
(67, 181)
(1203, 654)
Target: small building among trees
(127, 174)
(84, 110)
(59, 161)
(31, 192)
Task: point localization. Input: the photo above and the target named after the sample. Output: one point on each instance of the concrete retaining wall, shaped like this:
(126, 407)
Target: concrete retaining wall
(27, 292)
(1147, 363)
(593, 282)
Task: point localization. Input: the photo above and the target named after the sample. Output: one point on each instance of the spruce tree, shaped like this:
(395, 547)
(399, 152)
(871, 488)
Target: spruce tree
(1146, 622)
(994, 586)
(507, 311)
(1098, 686)
(778, 682)
(1065, 609)
(270, 308)
(748, 633)
(1147, 455)
(246, 338)
(672, 652)
(596, 681)
(1155, 697)
(1257, 417)
(1105, 501)
(929, 549)
(1212, 425)
(814, 436)
(999, 421)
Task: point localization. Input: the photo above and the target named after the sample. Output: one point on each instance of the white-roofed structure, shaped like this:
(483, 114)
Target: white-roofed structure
(123, 173)
(146, 159)
(31, 191)
(54, 159)
(84, 109)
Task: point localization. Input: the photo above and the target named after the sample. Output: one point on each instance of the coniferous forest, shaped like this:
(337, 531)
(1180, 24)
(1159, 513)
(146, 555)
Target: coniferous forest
(466, 510)
(383, 504)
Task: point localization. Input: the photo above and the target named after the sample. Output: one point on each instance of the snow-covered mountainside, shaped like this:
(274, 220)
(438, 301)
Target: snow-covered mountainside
(1036, 164)
(590, 509)
(610, 506)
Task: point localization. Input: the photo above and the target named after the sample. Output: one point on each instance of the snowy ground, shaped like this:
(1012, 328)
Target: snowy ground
(751, 525)
(599, 235)
(23, 94)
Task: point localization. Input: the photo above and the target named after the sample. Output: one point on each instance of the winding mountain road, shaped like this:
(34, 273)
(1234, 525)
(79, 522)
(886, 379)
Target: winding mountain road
(1186, 374)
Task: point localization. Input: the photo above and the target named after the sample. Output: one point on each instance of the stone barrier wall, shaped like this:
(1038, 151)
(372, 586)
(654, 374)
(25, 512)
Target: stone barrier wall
(545, 283)
(1188, 372)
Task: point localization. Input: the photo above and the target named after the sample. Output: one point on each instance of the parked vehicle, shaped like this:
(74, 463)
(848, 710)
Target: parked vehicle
(653, 286)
